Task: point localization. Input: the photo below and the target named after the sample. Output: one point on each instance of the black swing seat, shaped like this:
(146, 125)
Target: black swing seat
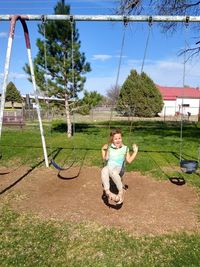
(56, 166)
(189, 166)
(122, 170)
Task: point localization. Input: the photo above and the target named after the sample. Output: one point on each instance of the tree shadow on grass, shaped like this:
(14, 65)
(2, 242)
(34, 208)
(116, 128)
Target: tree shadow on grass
(153, 128)
(78, 127)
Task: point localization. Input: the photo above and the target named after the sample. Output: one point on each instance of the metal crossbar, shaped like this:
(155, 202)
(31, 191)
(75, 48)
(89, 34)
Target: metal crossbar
(130, 18)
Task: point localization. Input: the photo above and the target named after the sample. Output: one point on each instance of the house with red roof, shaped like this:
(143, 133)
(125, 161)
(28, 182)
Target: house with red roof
(179, 100)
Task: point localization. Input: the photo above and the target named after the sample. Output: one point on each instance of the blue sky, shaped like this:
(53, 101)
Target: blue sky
(101, 42)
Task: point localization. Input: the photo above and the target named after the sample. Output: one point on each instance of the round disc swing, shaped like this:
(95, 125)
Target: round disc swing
(187, 166)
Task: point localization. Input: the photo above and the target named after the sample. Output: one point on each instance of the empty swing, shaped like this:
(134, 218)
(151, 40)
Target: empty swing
(187, 166)
(57, 166)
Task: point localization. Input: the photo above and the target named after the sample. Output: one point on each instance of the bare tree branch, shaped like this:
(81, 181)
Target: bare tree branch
(165, 7)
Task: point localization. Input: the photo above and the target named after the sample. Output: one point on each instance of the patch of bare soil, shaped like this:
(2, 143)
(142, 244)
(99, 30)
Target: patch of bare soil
(150, 206)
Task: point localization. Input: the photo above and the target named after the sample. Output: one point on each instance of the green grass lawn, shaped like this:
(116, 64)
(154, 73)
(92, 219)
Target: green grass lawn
(160, 147)
(28, 241)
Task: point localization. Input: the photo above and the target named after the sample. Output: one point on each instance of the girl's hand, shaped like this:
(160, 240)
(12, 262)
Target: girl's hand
(135, 148)
(104, 152)
(105, 147)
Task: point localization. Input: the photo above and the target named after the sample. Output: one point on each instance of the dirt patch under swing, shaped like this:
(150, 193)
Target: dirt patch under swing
(150, 206)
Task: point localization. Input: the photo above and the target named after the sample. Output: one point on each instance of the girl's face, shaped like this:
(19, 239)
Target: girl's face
(117, 140)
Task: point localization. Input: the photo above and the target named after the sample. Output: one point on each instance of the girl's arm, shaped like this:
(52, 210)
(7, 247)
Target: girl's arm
(104, 152)
(131, 157)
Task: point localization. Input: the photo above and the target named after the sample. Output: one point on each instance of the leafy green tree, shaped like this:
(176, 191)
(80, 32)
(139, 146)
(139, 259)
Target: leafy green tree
(139, 96)
(12, 94)
(59, 65)
(89, 101)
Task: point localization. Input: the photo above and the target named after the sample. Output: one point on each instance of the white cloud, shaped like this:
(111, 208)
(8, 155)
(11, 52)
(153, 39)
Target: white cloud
(118, 56)
(101, 57)
(168, 72)
(17, 75)
(3, 34)
(171, 72)
(14, 76)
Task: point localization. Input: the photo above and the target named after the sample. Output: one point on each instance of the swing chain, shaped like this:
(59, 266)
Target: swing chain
(119, 68)
(125, 20)
(184, 73)
(150, 22)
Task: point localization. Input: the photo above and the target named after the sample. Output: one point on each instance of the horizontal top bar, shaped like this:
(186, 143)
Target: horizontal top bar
(132, 18)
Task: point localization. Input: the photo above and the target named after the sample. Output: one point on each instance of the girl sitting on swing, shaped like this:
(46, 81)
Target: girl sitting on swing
(115, 154)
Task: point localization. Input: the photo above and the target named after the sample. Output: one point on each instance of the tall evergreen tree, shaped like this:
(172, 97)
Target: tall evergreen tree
(59, 64)
(139, 96)
(12, 94)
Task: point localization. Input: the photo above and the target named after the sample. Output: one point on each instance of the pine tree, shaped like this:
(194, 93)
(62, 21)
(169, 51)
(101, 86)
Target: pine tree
(12, 94)
(59, 69)
(139, 96)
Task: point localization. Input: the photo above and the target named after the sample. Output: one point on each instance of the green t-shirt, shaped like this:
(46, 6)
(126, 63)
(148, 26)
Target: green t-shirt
(116, 156)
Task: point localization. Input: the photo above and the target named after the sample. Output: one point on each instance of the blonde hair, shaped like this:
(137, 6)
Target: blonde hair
(113, 132)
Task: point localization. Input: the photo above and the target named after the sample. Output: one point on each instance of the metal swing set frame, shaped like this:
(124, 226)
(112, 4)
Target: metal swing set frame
(188, 165)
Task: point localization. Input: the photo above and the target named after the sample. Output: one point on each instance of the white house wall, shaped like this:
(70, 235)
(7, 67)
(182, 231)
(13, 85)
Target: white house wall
(172, 106)
(169, 108)
(193, 103)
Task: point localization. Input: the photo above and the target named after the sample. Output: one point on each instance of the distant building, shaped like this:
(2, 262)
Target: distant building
(28, 101)
(15, 105)
(179, 100)
(40, 97)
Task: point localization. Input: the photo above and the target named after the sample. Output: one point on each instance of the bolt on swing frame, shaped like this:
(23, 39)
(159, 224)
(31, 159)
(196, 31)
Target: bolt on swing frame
(23, 18)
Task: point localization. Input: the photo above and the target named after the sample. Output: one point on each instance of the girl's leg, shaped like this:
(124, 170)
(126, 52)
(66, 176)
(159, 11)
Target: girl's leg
(114, 174)
(120, 197)
(105, 177)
